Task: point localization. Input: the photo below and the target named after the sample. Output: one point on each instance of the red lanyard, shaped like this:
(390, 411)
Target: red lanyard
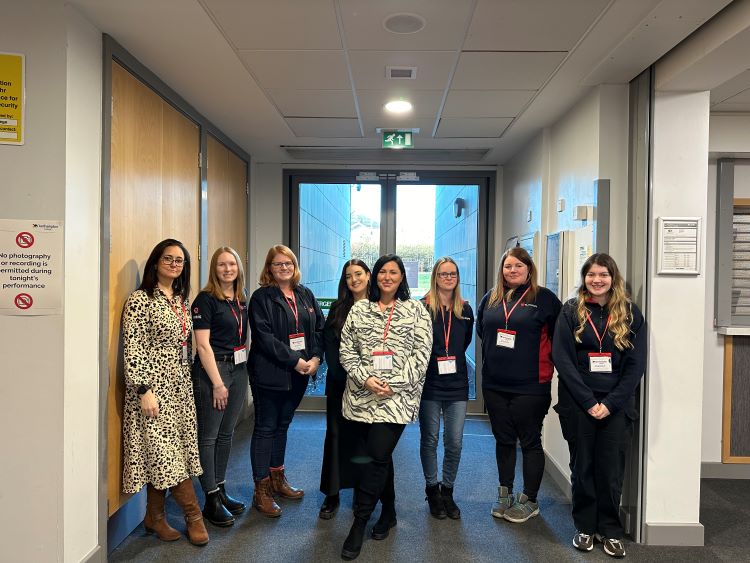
(183, 318)
(388, 324)
(507, 314)
(236, 318)
(293, 306)
(447, 333)
(600, 338)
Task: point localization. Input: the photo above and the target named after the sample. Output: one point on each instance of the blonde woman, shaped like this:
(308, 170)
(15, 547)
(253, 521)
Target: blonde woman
(286, 349)
(220, 377)
(515, 321)
(600, 355)
(446, 387)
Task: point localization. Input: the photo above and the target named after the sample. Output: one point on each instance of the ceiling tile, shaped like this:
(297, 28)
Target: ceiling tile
(424, 124)
(433, 69)
(530, 25)
(298, 70)
(473, 127)
(324, 127)
(314, 103)
(486, 103)
(730, 107)
(444, 24)
(504, 71)
(425, 102)
(281, 24)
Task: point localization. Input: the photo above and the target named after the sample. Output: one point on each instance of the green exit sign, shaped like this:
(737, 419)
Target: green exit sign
(398, 140)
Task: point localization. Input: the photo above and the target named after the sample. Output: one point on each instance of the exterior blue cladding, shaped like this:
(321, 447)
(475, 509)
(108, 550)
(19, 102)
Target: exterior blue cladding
(456, 236)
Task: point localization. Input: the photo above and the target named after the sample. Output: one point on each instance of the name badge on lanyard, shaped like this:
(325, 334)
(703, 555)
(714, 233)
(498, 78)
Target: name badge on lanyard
(446, 365)
(506, 338)
(240, 355)
(240, 352)
(600, 363)
(184, 355)
(382, 360)
(297, 341)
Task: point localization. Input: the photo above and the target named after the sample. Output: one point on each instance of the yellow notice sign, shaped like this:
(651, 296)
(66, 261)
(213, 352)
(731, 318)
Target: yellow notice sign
(12, 89)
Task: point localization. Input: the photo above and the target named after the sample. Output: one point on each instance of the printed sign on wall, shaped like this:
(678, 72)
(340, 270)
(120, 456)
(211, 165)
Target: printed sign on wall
(12, 98)
(31, 276)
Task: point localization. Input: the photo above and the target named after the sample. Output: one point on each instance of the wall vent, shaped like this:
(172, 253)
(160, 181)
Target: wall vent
(401, 72)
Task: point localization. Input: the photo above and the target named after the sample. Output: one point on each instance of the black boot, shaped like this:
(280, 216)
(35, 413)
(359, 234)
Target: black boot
(329, 507)
(435, 500)
(353, 542)
(454, 513)
(231, 504)
(214, 511)
(386, 521)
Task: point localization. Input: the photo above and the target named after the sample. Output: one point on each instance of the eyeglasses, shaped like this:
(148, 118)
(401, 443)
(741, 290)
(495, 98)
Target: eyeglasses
(169, 260)
(446, 275)
(282, 265)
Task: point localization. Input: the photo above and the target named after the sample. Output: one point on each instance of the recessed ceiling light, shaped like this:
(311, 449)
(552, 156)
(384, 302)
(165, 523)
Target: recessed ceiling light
(398, 106)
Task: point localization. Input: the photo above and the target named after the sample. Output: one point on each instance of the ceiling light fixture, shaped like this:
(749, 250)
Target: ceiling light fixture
(398, 106)
(404, 23)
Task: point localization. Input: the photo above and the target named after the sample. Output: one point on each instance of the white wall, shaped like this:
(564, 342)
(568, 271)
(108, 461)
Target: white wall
(82, 289)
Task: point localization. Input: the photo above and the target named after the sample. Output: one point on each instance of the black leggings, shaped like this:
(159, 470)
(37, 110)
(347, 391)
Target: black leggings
(518, 418)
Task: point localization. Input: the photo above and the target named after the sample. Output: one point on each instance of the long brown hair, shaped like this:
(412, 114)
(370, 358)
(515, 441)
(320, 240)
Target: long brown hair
(266, 276)
(618, 304)
(433, 300)
(502, 291)
(213, 286)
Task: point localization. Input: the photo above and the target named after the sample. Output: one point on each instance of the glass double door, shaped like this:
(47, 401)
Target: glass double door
(334, 219)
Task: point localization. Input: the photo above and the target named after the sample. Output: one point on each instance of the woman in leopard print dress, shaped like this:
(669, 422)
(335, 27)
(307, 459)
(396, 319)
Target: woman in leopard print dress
(159, 424)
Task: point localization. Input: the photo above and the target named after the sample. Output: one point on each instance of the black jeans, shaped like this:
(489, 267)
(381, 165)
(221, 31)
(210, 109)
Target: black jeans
(377, 479)
(518, 418)
(598, 450)
(216, 427)
(274, 411)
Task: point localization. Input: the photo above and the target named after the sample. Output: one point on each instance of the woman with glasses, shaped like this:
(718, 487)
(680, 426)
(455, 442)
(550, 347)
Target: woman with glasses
(339, 471)
(446, 387)
(385, 347)
(516, 320)
(219, 376)
(159, 425)
(286, 349)
(600, 355)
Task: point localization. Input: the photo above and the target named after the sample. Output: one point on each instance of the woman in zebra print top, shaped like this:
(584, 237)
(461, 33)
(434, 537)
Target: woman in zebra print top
(386, 343)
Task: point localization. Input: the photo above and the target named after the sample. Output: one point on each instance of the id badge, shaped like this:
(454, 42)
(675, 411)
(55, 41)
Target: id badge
(600, 363)
(185, 358)
(240, 355)
(446, 365)
(506, 338)
(383, 361)
(297, 341)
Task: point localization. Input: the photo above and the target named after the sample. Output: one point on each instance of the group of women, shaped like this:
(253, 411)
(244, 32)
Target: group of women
(391, 360)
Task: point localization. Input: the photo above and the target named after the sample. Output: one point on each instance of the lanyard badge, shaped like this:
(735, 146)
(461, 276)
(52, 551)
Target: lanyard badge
(601, 362)
(446, 364)
(507, 338)
(296, 340)
(184, 356)
(382, 360)
(240, 352)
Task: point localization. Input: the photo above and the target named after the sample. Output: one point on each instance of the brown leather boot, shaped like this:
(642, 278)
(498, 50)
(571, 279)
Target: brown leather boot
(184, 494)
(281, 487)
(155, 521)
(263, 499)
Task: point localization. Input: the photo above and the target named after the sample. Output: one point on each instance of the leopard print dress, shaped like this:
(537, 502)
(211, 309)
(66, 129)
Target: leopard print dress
(162, 451)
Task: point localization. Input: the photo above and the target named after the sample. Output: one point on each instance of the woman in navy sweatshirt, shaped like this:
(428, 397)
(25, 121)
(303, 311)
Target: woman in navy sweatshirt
(515, 321)
(600, 355)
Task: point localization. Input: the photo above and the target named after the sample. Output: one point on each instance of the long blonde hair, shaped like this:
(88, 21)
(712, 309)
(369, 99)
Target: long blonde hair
(502, 291)
(214, 287)
(433, 300)
(618, 304)
(266, 276)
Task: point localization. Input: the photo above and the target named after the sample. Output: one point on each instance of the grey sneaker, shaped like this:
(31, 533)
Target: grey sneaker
(613, 547)
(583, 542)
(522, 510)
(504, 502)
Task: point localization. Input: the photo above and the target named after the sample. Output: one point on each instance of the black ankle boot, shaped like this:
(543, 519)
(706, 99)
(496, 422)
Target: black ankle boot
(329, 507)
(435, 500)
(386, 521)
(215, 512)
(231, 504)
(451, 509)
(353, 542)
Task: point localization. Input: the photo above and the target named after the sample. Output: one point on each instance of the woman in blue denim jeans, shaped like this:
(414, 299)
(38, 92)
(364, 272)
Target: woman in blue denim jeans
(446, 388)
(219, 377)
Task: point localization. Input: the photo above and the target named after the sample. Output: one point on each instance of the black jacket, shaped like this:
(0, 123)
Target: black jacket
(271, 361)
(336, 373)
(614, 390)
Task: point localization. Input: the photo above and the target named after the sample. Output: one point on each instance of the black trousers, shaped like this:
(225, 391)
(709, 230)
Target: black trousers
(598, 450)
(518, 418)
(377, 478)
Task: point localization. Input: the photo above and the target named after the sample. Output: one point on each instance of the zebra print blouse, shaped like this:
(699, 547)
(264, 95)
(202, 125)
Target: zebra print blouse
(410, 340)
